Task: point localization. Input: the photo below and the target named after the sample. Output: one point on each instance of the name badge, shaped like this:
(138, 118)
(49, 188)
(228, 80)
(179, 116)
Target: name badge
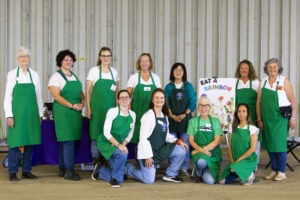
(279, 88)
(147, 88)
(208, 125)
(160, 122)
(113, 87)
(131, 125)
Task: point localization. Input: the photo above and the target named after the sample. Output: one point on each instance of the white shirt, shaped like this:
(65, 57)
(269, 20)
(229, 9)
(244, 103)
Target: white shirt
(11, 82)
(58, 80)
(178, 86)
(134, 80)
(253, 129)
(111, 114)
(243, 85)
(93, 75)
(148, 123)
(282, 97)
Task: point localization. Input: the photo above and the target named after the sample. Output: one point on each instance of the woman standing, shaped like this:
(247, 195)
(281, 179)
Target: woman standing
(275, 95)
(102, 85)
(156, 144)
(66, 90)
(118, 131)
(246, 92)
(140, 86)
(181, 99)
(242, 145)
(23, 106)
(205, 136)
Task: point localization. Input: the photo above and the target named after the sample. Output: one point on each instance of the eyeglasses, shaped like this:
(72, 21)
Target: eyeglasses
(178, 70)
(203, 105)
(23, 56)
(105, 56)
(124, 98)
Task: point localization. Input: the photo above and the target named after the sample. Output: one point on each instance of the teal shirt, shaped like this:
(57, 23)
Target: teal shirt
(205, 125)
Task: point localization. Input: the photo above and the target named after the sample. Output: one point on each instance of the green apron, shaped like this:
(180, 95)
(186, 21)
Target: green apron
(249, 97)
(275, 126)
(240, 143)
(103, 98)
(27, 127)
(120, 129)
(179, 101)
(160, 148)
(68, 121)
(140, 104)
(203, 138)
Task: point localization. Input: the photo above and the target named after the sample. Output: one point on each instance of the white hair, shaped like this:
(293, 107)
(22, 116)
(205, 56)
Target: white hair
(23, 50)
(204, 98)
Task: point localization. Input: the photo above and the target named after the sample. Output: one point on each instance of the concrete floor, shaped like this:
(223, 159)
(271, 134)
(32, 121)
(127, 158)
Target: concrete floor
(50, 186)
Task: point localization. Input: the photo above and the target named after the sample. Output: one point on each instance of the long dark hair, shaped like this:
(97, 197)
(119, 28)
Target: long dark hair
(165, 106)
(236, 119)
(174, 66)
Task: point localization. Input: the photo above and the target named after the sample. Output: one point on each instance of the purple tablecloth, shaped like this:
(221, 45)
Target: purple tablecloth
(48, 151)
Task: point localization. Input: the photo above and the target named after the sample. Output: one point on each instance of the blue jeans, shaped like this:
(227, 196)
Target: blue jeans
(147, 174)
(201, 167)
(117, 167)
(94, 149)
(14, 155)
(185, 139)
(257, 151)
(278, 161)
(66, 155)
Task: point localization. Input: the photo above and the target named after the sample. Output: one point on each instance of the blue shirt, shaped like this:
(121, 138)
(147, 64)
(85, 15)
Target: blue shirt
(190, 91)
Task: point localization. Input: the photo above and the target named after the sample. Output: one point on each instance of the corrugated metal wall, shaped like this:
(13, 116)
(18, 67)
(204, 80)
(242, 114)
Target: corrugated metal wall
(209, 36)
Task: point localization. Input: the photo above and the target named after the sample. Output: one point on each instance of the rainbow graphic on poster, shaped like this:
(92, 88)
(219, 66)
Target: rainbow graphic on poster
(221, 92)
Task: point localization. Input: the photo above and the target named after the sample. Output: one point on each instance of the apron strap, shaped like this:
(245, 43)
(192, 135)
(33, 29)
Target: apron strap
(63, 75)
(236, 85)
(152, 79)
(210, 120)
(100, 73)
(250, 84)
(75, 76)
(17, 82)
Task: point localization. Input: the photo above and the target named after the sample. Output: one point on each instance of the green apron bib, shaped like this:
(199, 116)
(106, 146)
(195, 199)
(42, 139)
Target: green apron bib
(275, 126)
(240, 143)
(249, 97)
(160, 148)
(27, 127)
(203, 138)
(140, 104)
(103, 98)
(120, 129)
(179, 101)
(68, 121)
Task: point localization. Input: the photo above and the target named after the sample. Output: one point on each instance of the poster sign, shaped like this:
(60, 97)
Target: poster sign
(221, 93)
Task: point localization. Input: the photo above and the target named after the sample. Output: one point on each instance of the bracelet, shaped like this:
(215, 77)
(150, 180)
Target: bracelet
(179, 141)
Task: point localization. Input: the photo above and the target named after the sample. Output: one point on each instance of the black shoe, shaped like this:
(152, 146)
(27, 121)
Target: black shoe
(61, 173)
(13, 177)
(175, 179)
(125, 177)
(28, 175)
(71, 175)
(114, 183)
(96, 171)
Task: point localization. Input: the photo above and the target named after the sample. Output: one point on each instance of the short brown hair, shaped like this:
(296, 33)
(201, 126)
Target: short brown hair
(252, 74)
(138, 62)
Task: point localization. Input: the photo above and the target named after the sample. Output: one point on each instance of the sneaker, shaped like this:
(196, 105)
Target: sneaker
(184, 172)
(71, 175)
(114, 183)
(61, 172)
(280, 176)
(249, 180)
(270, 176)
(174, 179)
(96, 171)
(13, 177)
(28, 175)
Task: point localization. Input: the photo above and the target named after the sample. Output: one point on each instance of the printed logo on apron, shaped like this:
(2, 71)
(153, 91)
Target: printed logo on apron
(179, 96)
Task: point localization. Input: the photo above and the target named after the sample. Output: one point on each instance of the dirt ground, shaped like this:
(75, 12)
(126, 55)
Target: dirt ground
(50, 186)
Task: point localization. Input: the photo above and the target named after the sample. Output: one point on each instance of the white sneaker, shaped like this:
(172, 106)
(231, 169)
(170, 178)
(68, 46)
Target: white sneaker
(270, 176)
(184, 172)
(280, 176)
